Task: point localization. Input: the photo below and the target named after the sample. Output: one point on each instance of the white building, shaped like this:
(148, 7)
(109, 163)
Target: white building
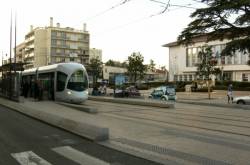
(182, 60)
(95, 53)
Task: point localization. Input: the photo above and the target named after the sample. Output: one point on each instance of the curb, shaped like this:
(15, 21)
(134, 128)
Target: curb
(91, 132)
(132, 102)
(80, 107)
(232, 106)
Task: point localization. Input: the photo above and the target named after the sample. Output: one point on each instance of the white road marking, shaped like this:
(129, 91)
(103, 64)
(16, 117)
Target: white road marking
(78, 157)
(29, 158)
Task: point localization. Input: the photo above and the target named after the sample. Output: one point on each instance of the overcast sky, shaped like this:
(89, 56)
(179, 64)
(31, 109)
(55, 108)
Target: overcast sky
(119, 30)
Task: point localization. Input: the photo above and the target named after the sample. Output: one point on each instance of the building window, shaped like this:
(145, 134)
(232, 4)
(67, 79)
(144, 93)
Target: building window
(53, 34)
(180, 78)
(189, 57)
(222, 60)
(190, 77)
(227, 76)
(236, 58)
(185, 78)
(244, 77)
(194, 56)
(62, 52)
(243, 58)
(175, 77)
(63, 35)
(53, 51)
(229, 60)
(53, 42)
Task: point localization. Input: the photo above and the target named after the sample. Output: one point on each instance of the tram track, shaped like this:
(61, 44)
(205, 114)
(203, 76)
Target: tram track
(225, 117)
(178, 124)
(199, 121)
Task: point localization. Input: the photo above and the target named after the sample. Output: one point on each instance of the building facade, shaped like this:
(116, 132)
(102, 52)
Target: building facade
(95, 54)
(110, 72)
(54, 44)
(182, 61)
(20, 50)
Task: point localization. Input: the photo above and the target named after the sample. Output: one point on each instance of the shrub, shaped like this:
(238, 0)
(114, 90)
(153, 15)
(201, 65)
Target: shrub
(205, 89)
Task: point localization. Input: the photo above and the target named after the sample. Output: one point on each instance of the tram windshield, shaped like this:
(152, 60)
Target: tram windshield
(78, 81)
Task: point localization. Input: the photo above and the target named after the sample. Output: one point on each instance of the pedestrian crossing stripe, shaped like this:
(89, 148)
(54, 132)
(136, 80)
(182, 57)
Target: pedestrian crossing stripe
(29, 158)
(78, 157)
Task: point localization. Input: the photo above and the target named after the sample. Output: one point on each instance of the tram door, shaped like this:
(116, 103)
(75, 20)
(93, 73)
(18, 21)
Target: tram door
(47, 82)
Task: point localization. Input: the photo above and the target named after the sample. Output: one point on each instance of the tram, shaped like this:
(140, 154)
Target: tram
(66, 82)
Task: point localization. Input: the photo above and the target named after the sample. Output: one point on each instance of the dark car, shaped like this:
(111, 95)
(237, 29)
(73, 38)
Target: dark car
(132, 91)
(128, 92)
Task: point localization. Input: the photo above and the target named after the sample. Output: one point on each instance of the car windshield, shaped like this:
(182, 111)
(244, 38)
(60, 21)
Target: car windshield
(171, 90)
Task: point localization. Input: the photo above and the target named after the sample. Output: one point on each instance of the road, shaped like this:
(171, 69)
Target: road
(187, 134)
(26, 141)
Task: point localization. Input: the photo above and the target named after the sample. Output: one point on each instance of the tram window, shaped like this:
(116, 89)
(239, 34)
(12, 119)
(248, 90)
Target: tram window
(78, 81)
(61, 80)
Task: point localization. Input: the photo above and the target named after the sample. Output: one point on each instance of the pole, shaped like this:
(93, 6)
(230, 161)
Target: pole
(15, 48)
(10, 89)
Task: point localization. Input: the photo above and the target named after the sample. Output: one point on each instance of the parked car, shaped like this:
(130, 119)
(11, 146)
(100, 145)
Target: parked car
(128, 92)
(241, 100)
(132, 91)
(164, 93)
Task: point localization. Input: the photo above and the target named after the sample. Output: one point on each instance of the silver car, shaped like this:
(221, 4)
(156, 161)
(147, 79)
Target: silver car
(241, 100)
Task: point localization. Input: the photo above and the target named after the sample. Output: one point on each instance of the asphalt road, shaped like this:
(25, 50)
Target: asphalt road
(23, 140)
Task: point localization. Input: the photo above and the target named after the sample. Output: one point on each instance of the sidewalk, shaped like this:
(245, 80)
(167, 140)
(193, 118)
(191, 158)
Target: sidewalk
(218, 98)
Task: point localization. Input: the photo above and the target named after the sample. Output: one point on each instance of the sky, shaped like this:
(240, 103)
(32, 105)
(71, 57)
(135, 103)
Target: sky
(117, 27)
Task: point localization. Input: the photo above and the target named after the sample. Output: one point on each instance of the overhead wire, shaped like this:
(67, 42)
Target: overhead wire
(107, 10)
(166, 7)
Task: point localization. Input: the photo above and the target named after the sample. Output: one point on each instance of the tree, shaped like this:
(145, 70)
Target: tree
(110, 63)
(95, 69)
(221, 19)
(135, 67)
(151, 66)
(206, 67)
(116, 63)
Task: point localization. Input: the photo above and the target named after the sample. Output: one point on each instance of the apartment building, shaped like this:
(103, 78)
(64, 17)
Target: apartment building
(55, 44)
(182, 61)
(20, 50)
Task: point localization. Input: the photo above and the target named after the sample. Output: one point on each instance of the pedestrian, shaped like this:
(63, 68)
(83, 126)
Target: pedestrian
(36, 90)
(25, 89)
(230, 93)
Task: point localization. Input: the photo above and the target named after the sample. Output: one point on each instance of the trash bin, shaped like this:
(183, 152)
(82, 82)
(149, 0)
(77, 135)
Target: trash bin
(188, 88)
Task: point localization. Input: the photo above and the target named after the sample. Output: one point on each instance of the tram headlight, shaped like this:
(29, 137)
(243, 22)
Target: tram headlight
(69, 92)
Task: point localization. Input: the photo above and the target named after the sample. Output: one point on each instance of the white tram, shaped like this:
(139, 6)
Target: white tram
(61, 82)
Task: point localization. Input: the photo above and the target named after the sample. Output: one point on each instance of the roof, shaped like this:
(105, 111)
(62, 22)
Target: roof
(170, 44)
(11, 66)
(200, 38)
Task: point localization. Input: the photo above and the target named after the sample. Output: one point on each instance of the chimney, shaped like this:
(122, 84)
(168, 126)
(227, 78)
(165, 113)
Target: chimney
(58, 25)
(84, 27)
(31, 27)
(51, 21)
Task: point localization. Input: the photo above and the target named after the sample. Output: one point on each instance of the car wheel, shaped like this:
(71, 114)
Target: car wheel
(163, 99)
(241, 102)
